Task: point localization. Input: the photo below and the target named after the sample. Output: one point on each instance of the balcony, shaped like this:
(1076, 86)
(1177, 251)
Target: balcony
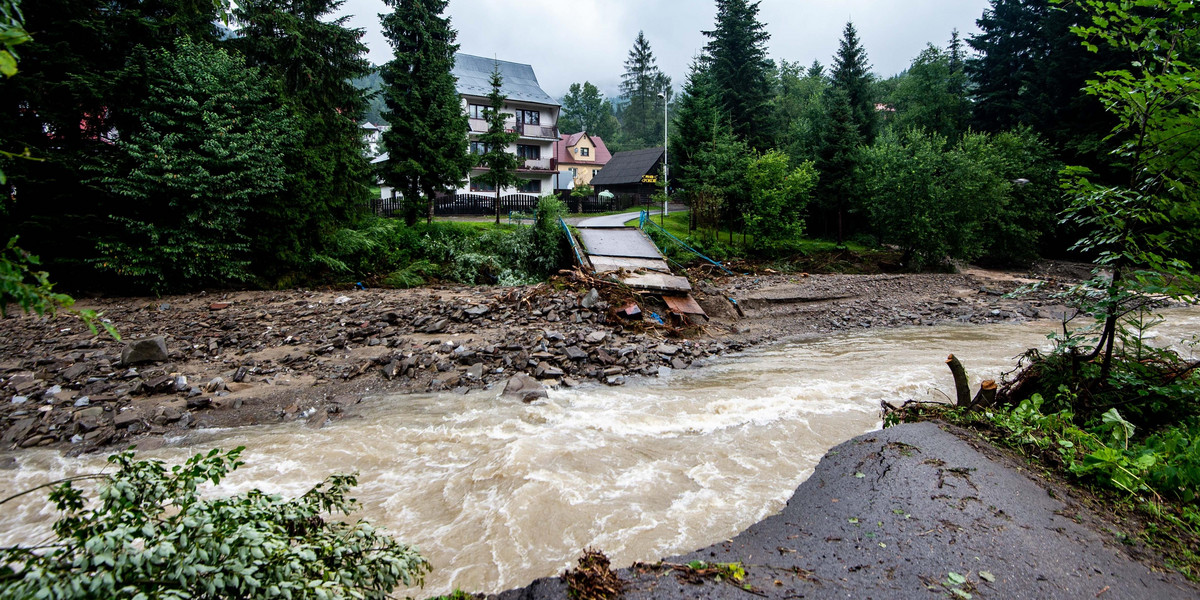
(540, 164)
(480, 126)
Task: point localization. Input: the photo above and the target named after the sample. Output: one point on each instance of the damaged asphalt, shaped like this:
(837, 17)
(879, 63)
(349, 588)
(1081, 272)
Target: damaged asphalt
(913, 511)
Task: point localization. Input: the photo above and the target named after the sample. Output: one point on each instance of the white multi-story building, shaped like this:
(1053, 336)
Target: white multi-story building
(533, 115)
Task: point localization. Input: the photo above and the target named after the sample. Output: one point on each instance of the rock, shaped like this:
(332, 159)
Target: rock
(20, 399)
(547, 371)
(591, 299)
(574, 353)
(143, 351)
(342, 300)
(214, 385)
(524, 387)
(89, 413)
(199, 403)
(667, 350)
(477, 311)
(596, 337)
(125, 419)
(678, 364)
(215, 306)
(391, 370)
(475, 372)
(75, 372)
(437, 326)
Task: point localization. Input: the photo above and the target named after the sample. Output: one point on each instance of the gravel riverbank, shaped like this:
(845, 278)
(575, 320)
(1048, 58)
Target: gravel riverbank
(243, 358)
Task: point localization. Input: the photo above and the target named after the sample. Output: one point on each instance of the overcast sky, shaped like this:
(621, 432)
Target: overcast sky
(570, 41)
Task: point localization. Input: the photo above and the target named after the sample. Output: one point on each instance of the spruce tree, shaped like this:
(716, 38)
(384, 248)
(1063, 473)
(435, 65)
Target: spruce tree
(642, 82)
(1030, 69)
(692, 127)
(210, 148)
(852, 74)
(738, 63)
(427, 144)
(311, 61)
(815, 70)
(840, 139)
(501, 164)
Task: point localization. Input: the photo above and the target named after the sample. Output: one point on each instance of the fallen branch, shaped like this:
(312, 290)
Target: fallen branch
(961, 386)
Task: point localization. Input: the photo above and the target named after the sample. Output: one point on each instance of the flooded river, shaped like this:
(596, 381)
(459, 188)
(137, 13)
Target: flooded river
(497, 493)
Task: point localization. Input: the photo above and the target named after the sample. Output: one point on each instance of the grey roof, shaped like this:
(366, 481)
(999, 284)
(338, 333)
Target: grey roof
(474, 74)
(629, 167)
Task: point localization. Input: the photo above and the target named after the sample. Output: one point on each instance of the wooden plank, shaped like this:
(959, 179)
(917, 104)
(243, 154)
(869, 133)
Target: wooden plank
(605, 264)
(684, 305)
(658, 282)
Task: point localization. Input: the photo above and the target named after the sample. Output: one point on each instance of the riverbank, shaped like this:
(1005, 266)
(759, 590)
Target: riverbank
(247, 358)
(917, 510)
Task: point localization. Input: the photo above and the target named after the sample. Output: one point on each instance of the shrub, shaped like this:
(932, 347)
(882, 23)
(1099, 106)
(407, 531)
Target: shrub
(151, 535)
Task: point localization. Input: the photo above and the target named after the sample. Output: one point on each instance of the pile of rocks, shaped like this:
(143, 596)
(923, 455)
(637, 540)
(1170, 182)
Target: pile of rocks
(261, 356)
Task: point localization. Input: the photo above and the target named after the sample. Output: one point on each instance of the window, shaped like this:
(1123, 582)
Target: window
(529, 152)
(479, 186)
(477, 111)
(533, 186)
(585, 151)
(479, 148)
(529, 117)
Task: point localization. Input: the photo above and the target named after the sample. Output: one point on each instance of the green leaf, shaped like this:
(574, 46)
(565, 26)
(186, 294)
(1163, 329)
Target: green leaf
(986, 576)
(955, 578)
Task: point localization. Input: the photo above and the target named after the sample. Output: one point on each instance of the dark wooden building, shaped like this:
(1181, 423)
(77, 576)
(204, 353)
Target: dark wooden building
(631, 176)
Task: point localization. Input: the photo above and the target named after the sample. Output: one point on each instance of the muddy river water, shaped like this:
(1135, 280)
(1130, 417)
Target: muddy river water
(497, 493)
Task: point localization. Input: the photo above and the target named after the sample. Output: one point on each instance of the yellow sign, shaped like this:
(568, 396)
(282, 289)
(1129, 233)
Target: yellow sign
(649, 178)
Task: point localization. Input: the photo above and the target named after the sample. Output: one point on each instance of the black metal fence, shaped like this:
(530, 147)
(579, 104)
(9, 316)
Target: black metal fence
(448, 205)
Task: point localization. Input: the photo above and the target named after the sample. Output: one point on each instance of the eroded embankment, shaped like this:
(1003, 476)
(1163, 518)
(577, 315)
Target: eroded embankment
(913, 511)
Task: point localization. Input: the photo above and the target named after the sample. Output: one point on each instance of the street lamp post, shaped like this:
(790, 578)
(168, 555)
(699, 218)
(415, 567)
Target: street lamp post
(666, 166)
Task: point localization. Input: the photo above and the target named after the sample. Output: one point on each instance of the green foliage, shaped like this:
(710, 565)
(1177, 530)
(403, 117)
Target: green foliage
(778, 198)
(1029, 70)
(851, 73)
(800, 110)
(641, 119)
(427, 144)
(208, 150)
(310, 60)
(1145, 230)
(585, 109)
(838, 157)
(501, 164)
(583, 191)
(932, 95)
(984, 196)
(925, 198)
(150, 534)
(736, 57)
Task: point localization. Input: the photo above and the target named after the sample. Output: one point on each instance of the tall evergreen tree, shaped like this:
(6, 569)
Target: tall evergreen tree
(501, 164)
(852, 74)
(837, 163)
(427, 144)
(693, 124)
(311, 60)
(815, 70)
(1029, 69)
(211, 147)
(586, 109)
(76, 88)
(642, 82)
(738, 63)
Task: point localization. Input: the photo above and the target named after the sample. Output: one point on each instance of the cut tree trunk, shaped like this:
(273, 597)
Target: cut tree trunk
(961, 387)
(986, 396)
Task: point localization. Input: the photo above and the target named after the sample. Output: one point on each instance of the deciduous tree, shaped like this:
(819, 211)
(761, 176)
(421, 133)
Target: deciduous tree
(585, 109)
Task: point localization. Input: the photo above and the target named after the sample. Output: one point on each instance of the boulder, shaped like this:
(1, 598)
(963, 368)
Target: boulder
(524, 387)
(143, 351)
(591, 299)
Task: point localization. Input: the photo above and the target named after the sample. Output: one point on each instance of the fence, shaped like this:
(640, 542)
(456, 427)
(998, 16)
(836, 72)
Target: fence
(447, 205)
(596, 204)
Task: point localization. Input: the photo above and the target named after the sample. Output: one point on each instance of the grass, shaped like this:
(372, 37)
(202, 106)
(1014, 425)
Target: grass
(677, 225)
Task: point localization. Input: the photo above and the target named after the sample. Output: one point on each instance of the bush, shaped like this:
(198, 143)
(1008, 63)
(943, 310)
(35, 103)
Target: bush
(778, 199)
(151, 535)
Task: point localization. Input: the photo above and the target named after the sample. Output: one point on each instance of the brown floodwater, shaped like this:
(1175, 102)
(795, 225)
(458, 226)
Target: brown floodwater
(497, 493)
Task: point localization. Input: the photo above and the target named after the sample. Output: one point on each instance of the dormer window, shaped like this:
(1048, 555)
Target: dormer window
(585, 151)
